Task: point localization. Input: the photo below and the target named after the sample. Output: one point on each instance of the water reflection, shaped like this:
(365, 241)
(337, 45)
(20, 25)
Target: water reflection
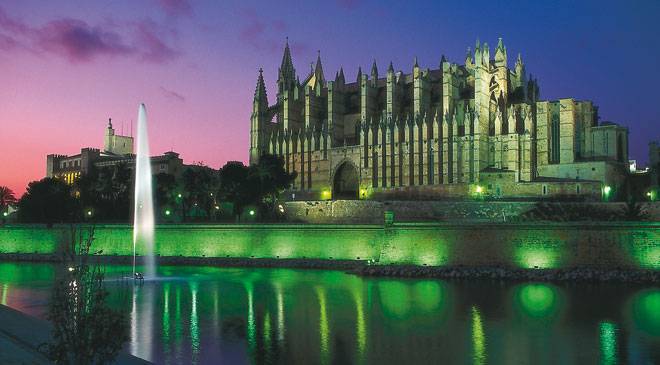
(607, 343)
(478, 338)
(211, 315)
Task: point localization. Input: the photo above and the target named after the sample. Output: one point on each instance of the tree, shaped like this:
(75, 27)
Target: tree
(165, 192)
(7, 198)
(269, 179)
(234, 187)
(85, 329)
(48, 201)
(200, 184)
(107, 191)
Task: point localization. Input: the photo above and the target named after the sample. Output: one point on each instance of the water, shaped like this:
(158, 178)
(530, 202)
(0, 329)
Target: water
(234, 316)
(143, 213)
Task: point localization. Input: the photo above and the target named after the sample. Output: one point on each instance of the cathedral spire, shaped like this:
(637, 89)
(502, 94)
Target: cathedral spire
(500, 54)
(287, 73)
(359, 74)
(415, 63)
(318, 69)
(374, 70)
(390, 68)
(260, 90)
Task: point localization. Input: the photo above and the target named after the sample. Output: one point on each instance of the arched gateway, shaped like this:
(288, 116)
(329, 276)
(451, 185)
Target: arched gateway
(345, 184)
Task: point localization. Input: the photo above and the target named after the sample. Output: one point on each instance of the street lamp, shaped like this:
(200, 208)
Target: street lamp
(167, 212)
(4, 214)
(606, 192)
(251, 212)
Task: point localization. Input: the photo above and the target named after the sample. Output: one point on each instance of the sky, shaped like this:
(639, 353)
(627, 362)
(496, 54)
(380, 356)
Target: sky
(68, 66)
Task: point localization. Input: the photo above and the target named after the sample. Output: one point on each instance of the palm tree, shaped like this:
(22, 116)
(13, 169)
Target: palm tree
(6, 197)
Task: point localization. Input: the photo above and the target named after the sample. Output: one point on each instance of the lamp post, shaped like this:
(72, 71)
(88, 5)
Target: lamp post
(607, 190)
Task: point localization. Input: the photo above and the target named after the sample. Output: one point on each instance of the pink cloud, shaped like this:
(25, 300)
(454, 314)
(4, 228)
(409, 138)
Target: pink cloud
(77, 41)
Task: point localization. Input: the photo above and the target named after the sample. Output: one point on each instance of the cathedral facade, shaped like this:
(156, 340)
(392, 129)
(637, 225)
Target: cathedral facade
(458, 130)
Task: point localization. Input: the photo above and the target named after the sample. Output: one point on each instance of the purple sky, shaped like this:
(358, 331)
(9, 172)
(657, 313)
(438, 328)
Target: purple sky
(68, 66)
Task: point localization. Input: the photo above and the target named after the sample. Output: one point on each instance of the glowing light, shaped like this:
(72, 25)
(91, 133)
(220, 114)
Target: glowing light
(479, 189)
(281, 208)
(607, 343)
(607, 189)
(167, 212)
(4, 214)
(533, 253)
(178, 195)
(478, 338)
(70, 269)
(89, 213)
(217, 207)
(326, 194)
(251, 212)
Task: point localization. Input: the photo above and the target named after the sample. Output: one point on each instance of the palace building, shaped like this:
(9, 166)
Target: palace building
(473, 128)
(117, 149)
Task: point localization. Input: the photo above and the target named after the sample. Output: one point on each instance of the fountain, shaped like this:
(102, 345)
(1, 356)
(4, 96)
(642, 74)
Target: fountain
(143, 213)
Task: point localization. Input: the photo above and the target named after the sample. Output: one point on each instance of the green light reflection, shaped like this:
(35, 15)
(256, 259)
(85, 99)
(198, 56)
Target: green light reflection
(5, 290)
(266, 332)
(178, 331)
(194, 322)
(395, 298)
(607, 343)
(166, 315)
(280, 314)
(252, 328)
(478, 338)
(537, 300)
(646, 311)
(360, 323)
(324, 329)
(428, 295)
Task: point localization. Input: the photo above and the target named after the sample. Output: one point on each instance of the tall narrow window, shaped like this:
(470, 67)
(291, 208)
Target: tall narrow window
(554, 129)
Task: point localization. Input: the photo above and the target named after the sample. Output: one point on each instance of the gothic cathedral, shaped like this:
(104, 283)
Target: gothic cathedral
(475, 128)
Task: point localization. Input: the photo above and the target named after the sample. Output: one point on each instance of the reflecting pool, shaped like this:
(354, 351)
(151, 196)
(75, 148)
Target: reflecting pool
(246, 315)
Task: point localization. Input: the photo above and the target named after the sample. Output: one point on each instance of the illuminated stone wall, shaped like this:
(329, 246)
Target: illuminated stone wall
(369, 211)
(608, 245)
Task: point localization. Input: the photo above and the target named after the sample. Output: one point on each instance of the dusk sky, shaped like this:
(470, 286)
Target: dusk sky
(67, 66)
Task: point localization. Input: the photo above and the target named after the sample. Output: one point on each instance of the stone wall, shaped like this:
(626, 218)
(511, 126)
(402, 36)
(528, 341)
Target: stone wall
(368, 211)
(547, 245)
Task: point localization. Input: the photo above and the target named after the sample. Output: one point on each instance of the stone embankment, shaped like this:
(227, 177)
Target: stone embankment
(506, 273)
(366, 268)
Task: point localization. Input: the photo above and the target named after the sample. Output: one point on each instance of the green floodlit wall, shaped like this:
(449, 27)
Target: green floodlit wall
(550, 245)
